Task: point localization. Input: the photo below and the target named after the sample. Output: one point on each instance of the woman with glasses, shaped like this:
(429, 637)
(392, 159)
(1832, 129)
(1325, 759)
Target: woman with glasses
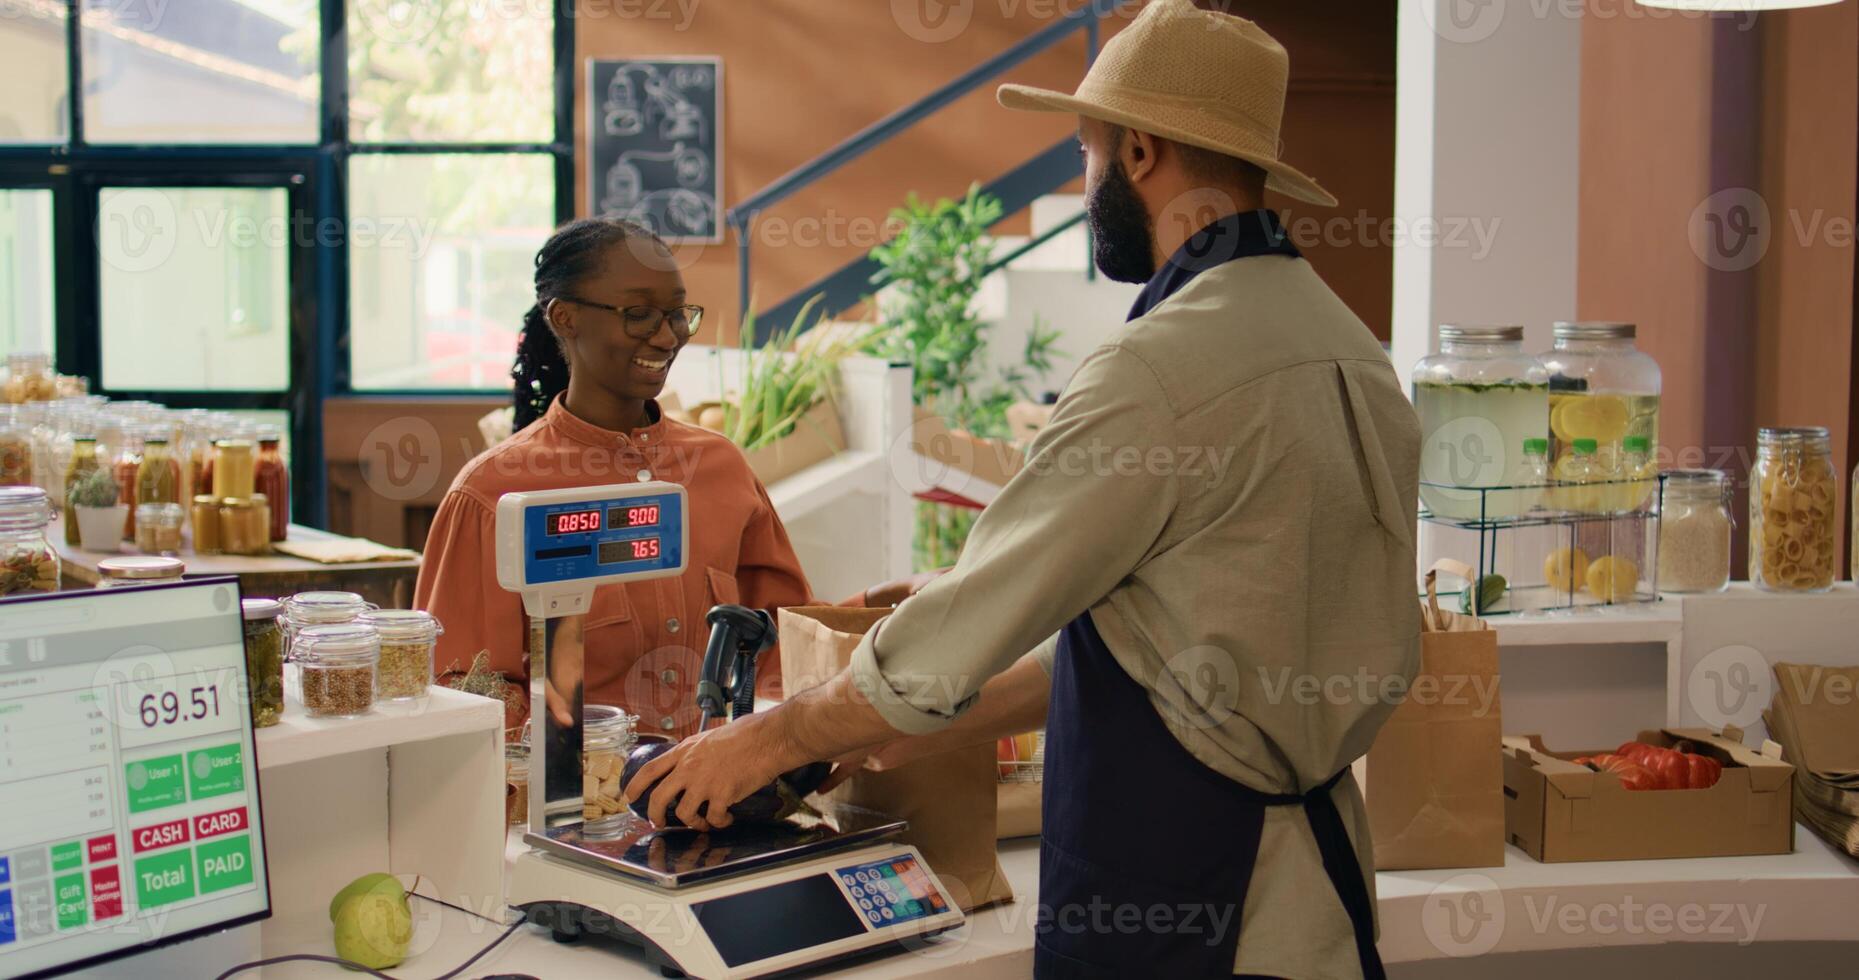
(611, 316)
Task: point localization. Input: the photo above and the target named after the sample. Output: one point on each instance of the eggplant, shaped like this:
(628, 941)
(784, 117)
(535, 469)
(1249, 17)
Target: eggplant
(771, 804)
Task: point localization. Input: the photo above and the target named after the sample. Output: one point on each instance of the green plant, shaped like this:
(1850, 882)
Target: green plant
(934, 268)
(97, 489)
(774, 390)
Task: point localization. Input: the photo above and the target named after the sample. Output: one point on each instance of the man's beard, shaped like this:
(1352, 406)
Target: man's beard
(1120, 230)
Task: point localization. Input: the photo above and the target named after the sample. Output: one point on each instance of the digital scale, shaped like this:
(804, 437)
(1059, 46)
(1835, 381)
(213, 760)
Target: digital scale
(748, 901)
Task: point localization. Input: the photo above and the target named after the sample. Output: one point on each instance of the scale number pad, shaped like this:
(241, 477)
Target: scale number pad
(892, 891)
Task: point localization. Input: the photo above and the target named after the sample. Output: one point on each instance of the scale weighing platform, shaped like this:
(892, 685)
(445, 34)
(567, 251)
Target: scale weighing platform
(749, 901)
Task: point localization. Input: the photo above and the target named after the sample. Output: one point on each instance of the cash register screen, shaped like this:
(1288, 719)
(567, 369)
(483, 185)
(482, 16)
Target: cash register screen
(129, 809)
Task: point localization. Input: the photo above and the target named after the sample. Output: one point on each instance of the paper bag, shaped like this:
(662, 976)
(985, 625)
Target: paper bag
(949, 799)
(1435, 788)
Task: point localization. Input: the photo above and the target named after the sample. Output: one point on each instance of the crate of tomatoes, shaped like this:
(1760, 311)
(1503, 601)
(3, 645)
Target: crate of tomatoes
(1669, 793)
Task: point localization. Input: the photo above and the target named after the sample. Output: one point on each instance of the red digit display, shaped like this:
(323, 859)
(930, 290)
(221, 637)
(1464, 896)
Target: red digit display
(644, 516)
(574, 522)
(635, 549)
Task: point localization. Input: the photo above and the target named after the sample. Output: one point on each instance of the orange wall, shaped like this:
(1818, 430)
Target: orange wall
(801, 75)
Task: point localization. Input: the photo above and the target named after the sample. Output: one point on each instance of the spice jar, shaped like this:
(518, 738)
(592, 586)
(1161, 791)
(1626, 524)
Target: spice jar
(83, 463)
(158, 528)
(607, 735)
(29, 378)
(1695, 526)
(15, 448)
(206, 525)
(139, 570)
(271, 479)
(1792, 505)
(407, 640)
(245, 526)
(307, 609)
(337, 664)
(232, 473)
(516, 783)
(27, 561)
(264, 660)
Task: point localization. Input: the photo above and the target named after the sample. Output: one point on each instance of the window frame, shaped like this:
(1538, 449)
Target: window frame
(316, 177)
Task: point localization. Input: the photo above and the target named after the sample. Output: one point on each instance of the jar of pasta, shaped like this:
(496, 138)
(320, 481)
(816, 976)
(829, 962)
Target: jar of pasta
(28, 563)
(1792, 506)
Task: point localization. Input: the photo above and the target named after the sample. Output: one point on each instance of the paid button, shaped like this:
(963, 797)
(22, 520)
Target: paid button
(225, 863)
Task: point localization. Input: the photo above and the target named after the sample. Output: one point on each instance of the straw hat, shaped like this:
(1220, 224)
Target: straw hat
(1195, 76)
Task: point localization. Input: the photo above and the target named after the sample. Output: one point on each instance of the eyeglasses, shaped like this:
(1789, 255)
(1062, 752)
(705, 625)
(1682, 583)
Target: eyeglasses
(642, 322)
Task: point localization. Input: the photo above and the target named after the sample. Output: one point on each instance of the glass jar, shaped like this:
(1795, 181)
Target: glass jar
(1792, 511)
(83, 463)
(15, 448)
(307, 609)
(232, 471)
(1478, 399)
(29, 378)
(607, 736)
(28, 562)
(1601, 387)
(516, 783)
(139, 570)
(158, 528)
(272, 478)
(1695, 528)
(337, 665)
(407, 640)
(126, 466)
(245, 526)
(264, 659)
(158, 478)
(206, 525)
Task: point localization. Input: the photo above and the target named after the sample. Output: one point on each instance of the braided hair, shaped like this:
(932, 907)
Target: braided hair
(567, 259)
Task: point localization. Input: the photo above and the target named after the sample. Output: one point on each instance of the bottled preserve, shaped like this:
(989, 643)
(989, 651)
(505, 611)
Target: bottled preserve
(28, 562)
(272, 478)
(83, 463)
(1478, 399)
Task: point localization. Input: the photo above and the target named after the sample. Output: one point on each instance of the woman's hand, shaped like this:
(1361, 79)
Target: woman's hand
(894, 592)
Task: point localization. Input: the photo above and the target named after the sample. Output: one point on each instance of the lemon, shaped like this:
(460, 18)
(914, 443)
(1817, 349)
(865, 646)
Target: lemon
(1556, 426)
(1602, 418)
(1612, 579)
(1565, 569)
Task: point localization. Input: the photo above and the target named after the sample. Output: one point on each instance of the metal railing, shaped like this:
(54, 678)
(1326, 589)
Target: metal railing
(1046, 171)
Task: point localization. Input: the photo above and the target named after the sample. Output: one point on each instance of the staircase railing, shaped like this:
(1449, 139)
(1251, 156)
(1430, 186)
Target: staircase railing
(1016, 189)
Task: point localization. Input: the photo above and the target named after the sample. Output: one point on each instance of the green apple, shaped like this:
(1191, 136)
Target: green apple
(373, 929)
(366, 883)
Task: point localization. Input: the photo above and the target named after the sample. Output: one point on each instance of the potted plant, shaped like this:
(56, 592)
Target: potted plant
(100, 512)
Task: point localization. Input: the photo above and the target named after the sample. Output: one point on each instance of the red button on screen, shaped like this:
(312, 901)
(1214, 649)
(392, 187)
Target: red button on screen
(160, 835)
(102, 849)
(106, 893)
(224, 822)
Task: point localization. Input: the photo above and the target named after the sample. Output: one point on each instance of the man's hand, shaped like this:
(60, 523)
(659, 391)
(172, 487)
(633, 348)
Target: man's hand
(711, 771)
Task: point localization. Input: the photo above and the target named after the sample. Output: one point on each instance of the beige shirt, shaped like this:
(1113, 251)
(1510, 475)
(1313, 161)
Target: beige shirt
(1229, 487)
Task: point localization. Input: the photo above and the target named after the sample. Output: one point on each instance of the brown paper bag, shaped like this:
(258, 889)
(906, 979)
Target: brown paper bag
(949, 799)
(1435, 789)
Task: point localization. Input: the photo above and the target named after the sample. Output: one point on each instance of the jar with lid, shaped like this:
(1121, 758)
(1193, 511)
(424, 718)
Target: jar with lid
(336, 665)
(264, 659)
(307, 609)
(28, 562)
(206, 525)
(1478, 399)
(607, 736)
(83, 463)
(115, 573)
(516, 783)
(1601, 387)
(272, 478)
(158, 528)
(407, 640)
(232, 471)
(1695, 528)
(158, 478)
(126, 466)
(15, 448)
(245, 525)
(1793, 507)
(29, 378)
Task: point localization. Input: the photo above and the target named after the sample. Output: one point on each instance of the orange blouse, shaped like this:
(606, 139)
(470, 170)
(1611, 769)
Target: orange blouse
(644, 640)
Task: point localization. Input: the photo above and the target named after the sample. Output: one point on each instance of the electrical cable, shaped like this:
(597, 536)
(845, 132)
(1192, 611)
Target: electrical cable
(339, 961)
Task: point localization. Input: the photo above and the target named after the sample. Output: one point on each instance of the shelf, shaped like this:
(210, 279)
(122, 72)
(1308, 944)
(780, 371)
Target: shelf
(825, 483)
(1525, 905)
(299, 738)
(1651, 622)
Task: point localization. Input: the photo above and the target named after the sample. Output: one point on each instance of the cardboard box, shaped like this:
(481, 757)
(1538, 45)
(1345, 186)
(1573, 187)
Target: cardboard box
(955, 458)
(1555, 810)
(817, 437)
(1025, 419)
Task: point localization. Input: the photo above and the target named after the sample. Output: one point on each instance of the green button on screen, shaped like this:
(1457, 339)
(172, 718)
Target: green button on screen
(225, 863)
(215, 771)
(155, 783)
(165, 878)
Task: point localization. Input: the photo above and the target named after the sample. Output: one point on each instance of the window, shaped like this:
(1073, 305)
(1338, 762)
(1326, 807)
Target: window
(204, 71)
(26, 270)
(441, 269)
(194, 288)
(33, 71)
(462, 71)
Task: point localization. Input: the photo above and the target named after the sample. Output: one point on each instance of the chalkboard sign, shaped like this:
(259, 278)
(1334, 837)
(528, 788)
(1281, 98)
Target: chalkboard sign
(655, 138)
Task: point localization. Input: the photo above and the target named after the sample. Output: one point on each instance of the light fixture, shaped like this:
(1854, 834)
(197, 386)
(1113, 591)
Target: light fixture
(1733, 6)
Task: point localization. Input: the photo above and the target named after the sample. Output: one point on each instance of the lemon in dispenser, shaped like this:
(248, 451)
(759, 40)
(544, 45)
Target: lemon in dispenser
(1603, 387)
(1479, 399)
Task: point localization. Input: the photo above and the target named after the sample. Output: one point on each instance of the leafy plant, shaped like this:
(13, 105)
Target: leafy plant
(934, 269)
(774, 390)
(97, 489)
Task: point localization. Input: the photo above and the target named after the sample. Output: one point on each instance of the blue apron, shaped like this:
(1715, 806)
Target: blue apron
(1147, 853)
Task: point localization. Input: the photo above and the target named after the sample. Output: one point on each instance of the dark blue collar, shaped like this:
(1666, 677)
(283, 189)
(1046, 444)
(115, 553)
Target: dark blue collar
(1236, 236)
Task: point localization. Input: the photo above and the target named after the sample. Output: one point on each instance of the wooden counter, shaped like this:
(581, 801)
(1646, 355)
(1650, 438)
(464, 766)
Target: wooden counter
(388, 584)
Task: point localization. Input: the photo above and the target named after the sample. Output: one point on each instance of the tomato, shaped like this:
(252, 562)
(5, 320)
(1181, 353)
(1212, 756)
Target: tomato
(1675, 768)
(1633, 776)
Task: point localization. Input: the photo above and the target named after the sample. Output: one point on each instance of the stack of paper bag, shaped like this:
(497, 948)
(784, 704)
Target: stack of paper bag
(1815, 717)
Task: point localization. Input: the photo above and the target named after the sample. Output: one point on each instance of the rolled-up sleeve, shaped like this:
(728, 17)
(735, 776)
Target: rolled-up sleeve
(1090, 504)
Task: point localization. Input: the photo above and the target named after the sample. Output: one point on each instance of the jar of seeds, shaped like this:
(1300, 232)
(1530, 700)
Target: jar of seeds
(407, 640)
(306, 609)
(338, 665)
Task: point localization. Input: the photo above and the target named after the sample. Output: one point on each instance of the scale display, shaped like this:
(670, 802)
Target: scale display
(555, 546)
(131, 807)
